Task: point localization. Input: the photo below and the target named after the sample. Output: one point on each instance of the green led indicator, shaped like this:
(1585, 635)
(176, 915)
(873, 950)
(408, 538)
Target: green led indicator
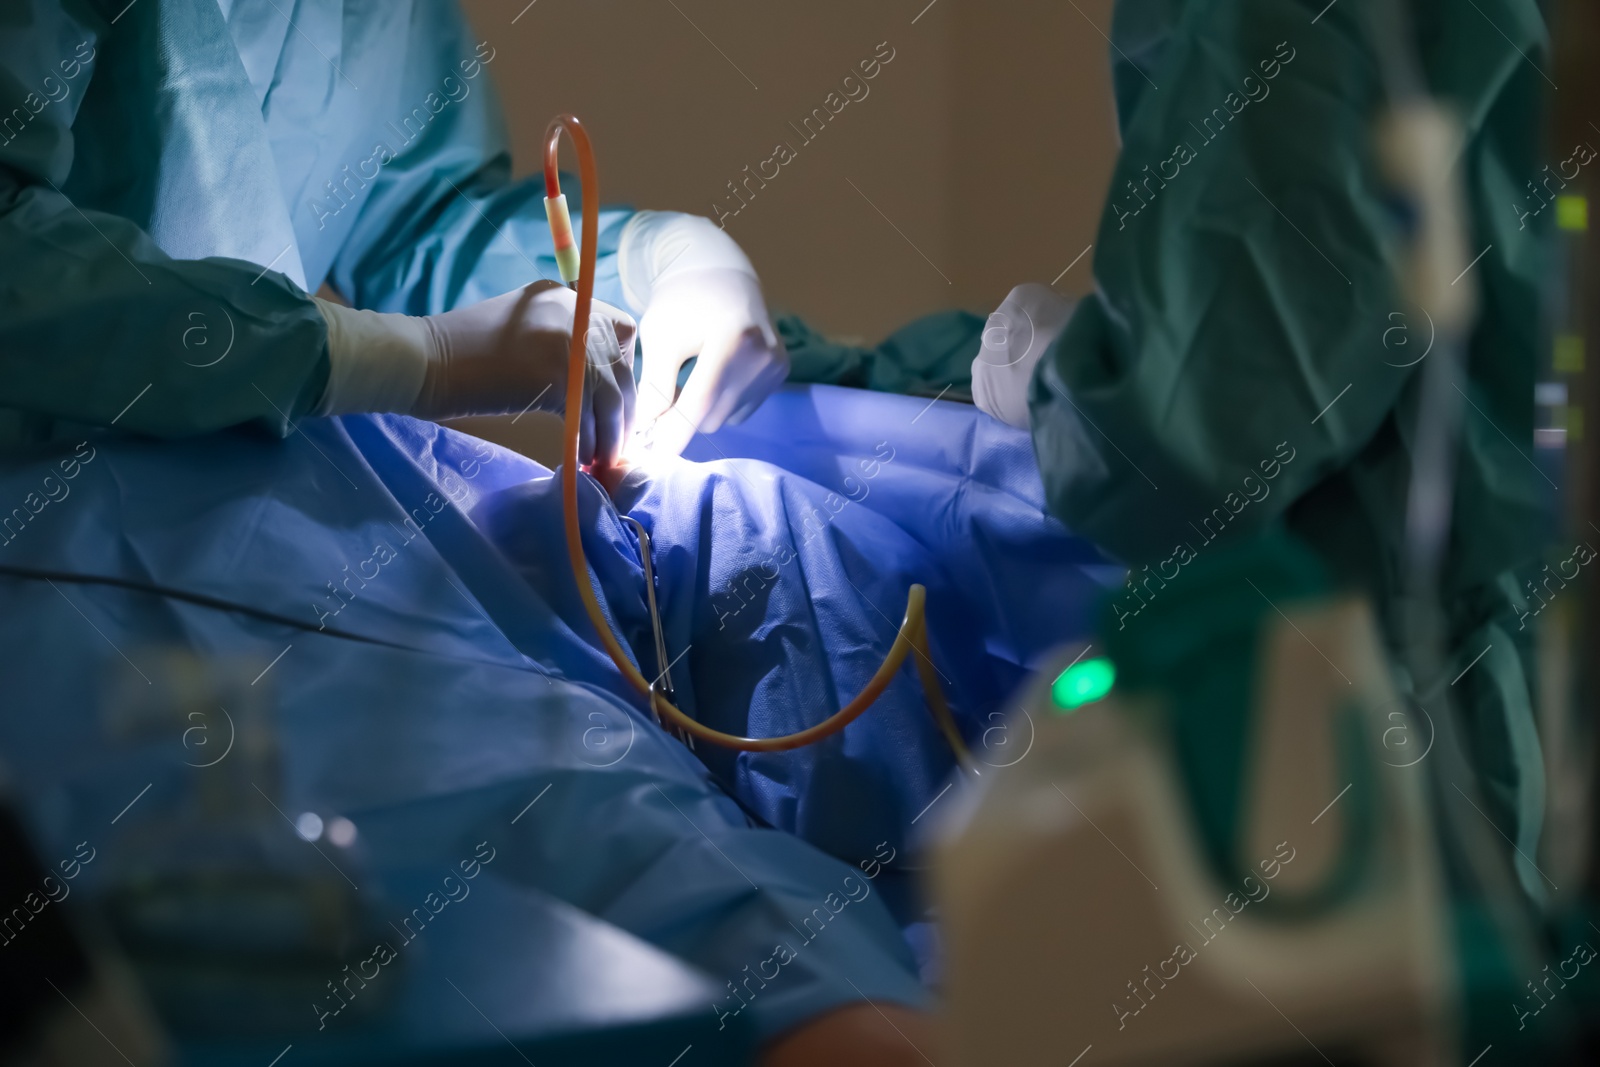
(1572, 213)
(1083, 683)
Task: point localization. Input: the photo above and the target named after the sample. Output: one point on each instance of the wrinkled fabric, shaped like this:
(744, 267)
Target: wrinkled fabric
(487, 684)
(930, 356)
(178, 174)
(1245, 310)
(787, 592)
(196, 170)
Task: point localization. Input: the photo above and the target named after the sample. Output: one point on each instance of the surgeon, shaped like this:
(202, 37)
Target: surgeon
(175, 179)
(1246, 322)
(178, 176)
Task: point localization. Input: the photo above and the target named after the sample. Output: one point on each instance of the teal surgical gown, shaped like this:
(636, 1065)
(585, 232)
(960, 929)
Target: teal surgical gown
(1247, 361)
(176, 176)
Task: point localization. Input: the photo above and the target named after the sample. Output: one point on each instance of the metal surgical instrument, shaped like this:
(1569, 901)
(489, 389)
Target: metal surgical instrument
(663, 682)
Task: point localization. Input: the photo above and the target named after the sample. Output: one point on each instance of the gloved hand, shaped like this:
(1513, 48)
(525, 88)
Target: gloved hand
(700, 298)
(503, 355)
(1020, 331)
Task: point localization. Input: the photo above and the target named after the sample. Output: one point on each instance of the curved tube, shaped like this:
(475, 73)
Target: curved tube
(913, 633)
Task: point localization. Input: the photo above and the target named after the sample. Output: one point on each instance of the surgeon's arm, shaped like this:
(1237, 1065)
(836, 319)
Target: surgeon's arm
(1232, 354)
(97, 324)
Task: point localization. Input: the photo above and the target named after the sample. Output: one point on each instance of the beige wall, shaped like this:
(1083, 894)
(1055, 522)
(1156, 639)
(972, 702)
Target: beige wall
(1001, 104)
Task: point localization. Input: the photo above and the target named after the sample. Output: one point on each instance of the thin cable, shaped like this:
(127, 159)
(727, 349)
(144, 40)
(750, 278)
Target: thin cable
(212, 603)
(912, 634)
(1429, 516)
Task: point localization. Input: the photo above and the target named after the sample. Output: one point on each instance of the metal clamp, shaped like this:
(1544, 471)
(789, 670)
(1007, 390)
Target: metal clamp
(662, 685)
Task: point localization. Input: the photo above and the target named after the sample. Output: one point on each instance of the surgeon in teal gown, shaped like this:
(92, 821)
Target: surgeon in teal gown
(176, 176)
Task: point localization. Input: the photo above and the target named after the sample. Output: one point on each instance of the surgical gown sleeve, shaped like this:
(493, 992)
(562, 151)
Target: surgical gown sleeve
(444, 224)
(92, 313)
(1245, 344)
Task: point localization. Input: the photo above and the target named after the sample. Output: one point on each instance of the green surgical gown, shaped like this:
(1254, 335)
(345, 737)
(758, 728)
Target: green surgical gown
(1246, 359)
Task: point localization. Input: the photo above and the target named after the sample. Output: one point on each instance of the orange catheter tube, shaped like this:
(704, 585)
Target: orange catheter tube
(913, 633)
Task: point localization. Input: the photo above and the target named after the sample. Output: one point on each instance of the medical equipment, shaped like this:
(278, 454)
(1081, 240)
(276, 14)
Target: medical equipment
(1084, 905)
(231, 921)
(662, 683)
(1571, 391)
(1414, 140)
(555, 209)
(1366, 967)
(912, 633)
(1278, 295)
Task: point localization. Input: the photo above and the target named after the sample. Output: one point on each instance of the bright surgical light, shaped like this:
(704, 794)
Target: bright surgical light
(1082, 683)
(659, 444)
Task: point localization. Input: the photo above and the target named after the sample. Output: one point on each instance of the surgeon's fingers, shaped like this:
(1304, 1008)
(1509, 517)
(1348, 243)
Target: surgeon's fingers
(707, 398)
(668, 343)
(607, 384)
(774, 373)
(658, 386)
(622, 372)
(701, 400)
(586, 429)
(728, 369)
(606, 411)
(626, 332)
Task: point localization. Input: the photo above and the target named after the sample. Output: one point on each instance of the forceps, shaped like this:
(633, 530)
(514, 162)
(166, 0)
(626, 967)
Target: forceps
(663, 682)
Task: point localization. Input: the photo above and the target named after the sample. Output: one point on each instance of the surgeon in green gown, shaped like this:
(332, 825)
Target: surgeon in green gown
(1246, 319)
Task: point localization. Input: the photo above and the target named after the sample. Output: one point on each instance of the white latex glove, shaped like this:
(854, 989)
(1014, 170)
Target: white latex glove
(701, 298)
(1020, 331)
(503, 355)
